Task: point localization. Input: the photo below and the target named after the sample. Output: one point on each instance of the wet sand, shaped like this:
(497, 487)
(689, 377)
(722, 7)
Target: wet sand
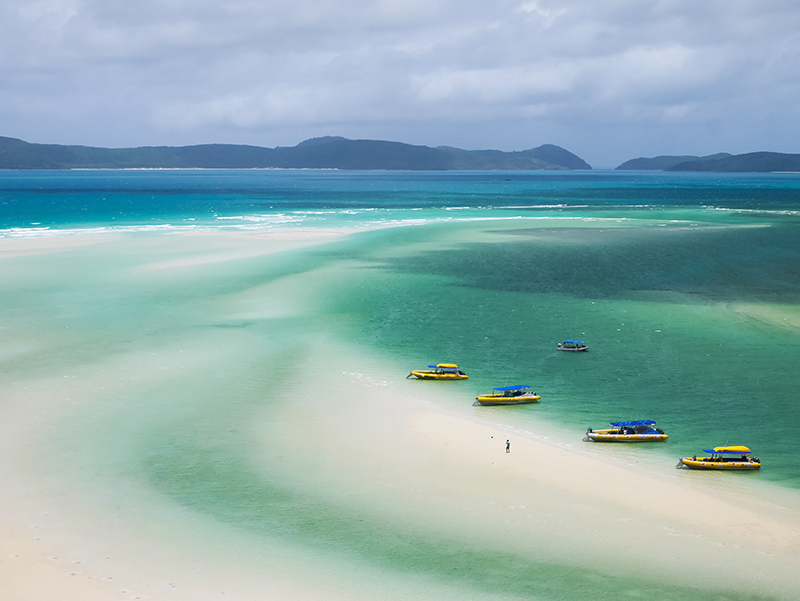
(550, 497)
(81, 519)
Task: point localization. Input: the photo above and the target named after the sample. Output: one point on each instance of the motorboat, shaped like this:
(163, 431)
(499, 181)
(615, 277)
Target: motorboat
(632, 431)
(722, 458)
(572, 346)
(508, 395)
(440, 371)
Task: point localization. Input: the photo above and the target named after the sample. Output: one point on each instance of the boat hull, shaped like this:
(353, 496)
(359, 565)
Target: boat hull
(573, 350)
(707, 464)
(429, 375)
(488, 400)
(609, 437)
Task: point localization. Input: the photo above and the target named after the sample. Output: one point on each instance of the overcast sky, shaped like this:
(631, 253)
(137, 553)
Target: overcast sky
(608, 80)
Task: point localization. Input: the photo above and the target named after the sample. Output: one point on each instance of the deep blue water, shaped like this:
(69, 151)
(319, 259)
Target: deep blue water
(59, 199)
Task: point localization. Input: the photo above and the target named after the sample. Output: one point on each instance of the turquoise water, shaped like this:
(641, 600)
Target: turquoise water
(685, 286)
(258, 199)
(650, 268)
(658, 309)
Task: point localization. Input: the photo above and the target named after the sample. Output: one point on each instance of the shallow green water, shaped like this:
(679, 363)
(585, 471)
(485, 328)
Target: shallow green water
(656, 306)
(691, 315)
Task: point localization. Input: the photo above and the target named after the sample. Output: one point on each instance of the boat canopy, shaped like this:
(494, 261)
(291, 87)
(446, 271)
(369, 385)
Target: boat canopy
(642, 422)
(504, 388)
(727, 450)
(574, 341)
(445, 366)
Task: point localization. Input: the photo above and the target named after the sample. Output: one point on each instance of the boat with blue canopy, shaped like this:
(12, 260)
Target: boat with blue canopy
(722, 458)
(573, 346)
(508, 395)
(632, 431)
(440, 371)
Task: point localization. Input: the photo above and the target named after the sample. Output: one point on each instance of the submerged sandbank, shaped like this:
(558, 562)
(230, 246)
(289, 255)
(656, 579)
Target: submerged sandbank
(382, 451)
(214, 436)
(446, 472)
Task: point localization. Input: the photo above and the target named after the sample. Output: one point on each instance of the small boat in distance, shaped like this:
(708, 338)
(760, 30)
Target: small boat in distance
(635, 431)
(722, 458)
(508, 395)
(440, 371)
(573, 346)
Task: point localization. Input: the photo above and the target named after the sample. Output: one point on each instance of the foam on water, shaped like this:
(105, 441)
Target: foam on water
(161, 382)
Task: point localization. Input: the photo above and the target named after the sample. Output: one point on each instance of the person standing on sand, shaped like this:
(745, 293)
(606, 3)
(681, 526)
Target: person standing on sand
(508, 446)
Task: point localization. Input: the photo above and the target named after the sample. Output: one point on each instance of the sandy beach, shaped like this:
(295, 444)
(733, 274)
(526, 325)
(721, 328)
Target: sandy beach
(88, 439)
(552, 498)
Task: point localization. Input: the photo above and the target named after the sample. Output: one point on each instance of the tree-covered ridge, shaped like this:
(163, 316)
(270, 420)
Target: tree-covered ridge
(316, 153)
(762, 162)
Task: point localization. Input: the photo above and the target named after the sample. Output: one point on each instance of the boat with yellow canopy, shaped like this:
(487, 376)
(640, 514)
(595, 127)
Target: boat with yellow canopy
(722, 458)
(634, 431)
(508, 395)
(440, 371)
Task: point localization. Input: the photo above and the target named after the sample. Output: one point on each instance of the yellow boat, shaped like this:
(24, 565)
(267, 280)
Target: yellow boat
(636, 431)
(508, 395)
(440, 371)
(722, 458)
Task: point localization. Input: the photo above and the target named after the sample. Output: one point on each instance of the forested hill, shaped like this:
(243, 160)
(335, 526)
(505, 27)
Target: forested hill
(752, 161)
(664, 162)
(761, 162)
(316, 153)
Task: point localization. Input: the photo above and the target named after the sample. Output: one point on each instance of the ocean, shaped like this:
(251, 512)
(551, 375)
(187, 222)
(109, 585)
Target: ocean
(686, 288)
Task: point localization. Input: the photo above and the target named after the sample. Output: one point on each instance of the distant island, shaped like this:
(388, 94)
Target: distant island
(317, 153)
(760, 162)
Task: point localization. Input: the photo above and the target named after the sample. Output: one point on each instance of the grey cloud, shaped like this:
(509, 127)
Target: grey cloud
(663, 76)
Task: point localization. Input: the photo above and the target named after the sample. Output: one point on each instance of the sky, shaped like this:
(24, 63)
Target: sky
(609, 80)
